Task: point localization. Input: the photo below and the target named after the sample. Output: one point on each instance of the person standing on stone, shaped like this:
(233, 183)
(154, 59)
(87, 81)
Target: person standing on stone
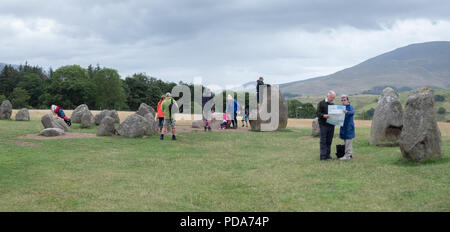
(326, 129)
(347, 131)
(259, 82)
(167, 106)
(232, 110)
(60, 112)
(160, 114)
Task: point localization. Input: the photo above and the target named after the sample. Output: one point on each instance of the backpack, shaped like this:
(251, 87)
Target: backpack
(170, 108)
(340, 150)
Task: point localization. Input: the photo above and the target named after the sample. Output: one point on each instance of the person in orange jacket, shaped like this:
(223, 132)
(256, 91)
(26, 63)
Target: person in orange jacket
(160, 114)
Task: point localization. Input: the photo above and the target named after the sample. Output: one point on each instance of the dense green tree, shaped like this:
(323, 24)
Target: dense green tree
(109, 92)
(441, 110)
(307, 110)
(293, 108)
(439, 98)
(19, 98)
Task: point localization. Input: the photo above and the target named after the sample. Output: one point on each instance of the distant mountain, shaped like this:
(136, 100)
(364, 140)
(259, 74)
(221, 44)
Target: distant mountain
(247, 87)
(405, 68)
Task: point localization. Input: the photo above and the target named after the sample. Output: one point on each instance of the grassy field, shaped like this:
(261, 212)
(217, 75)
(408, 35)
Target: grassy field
(218, 171)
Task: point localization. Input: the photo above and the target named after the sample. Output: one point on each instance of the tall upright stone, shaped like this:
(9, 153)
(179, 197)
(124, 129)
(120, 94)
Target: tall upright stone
(387, 120)
(106, 127)
(111, 113)
(5, 110)
(87, 119)
(78, 112)
(134, 126)
(315, 127)
(265, 124)
(420, 138)
(145, 109)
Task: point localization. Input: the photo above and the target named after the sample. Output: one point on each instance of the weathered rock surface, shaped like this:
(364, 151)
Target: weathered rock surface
(87, 119)
(315, 127)
(153, 125)
(111, 113)
(263, 124)
(78, 112)
(5, 110)
(48, 132)
(387, 121)
(48, 121)
(215, 124)
(134, 126)
(420, 138)
(23, 115)
(106, 127)
(145, 109)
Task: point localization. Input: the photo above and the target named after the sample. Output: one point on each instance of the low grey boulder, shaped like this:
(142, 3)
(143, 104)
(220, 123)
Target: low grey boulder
(153, 125)
(23, 115)
(78, 112)
(49, 132)
(106, 127)
(134, 126)
(420, 138)
(48, 121)
(87, 119)
(5, 110)
(111, 113)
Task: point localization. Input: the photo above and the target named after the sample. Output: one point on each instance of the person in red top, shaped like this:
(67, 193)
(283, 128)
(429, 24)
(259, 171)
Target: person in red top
(60, 112)
(160, 113)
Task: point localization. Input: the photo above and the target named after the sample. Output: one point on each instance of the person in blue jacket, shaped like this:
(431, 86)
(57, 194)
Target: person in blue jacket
(347, 132)
(232, 110)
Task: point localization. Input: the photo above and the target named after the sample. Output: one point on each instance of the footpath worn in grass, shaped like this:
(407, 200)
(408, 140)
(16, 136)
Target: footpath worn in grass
(219, 171)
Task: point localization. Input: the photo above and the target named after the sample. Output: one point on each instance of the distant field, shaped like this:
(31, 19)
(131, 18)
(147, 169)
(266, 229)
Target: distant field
(217, 171)
(364, 102)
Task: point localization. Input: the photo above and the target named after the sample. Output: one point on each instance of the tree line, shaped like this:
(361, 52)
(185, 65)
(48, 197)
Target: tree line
(72, 85)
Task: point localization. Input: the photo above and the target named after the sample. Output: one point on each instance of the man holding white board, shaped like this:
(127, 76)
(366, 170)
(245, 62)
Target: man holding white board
(326, 128)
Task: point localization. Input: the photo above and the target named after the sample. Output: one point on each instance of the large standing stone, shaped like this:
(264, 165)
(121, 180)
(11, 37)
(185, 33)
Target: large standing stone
(52, 132)
(23, 115)
(387, 120)
(106, 127)
(315, 127)
(111, 113)
(262, 124)
(145, 109)
(134, 126)
(5, 110)
(48, 121)
(153, 125)
(87, 119)
(420, 138)
(78, 112)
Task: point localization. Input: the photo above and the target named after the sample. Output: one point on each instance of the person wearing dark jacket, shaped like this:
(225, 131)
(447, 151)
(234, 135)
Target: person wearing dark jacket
(326, 129)
(259, 82)
(206, 109)
(347, 132)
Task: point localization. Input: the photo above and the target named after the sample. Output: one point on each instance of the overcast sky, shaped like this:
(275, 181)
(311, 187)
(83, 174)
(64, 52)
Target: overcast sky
(227, 42)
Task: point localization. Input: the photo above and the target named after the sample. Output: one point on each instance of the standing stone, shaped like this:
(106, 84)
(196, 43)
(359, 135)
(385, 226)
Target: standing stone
(78, 112)
(48, 121)
(134, 126)
(259, 124)
(387, 120)
(52, 132)
(23, 115)
(5, 110)
(87, 119)
(420, 138)
(315, 127)
(145, 109)
(111, 113)
(106, 127)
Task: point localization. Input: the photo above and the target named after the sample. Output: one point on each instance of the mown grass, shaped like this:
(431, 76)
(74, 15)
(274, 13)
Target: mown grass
(221, 171)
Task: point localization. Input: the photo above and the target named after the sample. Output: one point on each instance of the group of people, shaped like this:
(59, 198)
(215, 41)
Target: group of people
(166, 119)
(347, 131)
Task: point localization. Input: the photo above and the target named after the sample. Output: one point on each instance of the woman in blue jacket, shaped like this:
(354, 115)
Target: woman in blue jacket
(347, 132)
